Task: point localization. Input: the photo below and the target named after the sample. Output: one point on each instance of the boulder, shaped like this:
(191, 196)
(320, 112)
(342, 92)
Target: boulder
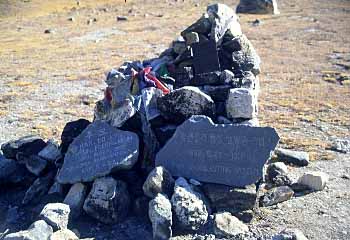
(56, 215)
(276, 195)
(39, 188)
(184, 102)
(35, 164)
(28, 145)
(217, 93)
(75, 199)
(258, 7)
(227, 225)
(275, 169)
(108, 200)
(39, 230)
(315, 181)
(7, 167)
(64, 234)
(51, 152)
(290, 234)
(241, 103)
(226, 197)
(297, 158)
(97, 151)
(71, 131)
(159, 181)
(161, 217)
(189, 206)
(341, 145)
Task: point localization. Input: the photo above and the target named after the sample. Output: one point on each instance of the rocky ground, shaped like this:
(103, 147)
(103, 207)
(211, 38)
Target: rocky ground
(48, 79)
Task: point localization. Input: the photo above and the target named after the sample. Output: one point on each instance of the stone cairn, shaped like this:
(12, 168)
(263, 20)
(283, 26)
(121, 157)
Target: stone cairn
(191, 113)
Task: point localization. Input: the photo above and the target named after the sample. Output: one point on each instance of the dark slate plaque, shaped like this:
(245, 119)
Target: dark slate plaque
(99, 150)
(205, 57)
(216, 153)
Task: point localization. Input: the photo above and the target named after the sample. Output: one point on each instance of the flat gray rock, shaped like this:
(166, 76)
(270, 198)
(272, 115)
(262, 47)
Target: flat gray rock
(99, 150)
(216, 153)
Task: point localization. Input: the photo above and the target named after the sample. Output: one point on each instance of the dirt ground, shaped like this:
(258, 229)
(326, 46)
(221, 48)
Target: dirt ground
(47, 80)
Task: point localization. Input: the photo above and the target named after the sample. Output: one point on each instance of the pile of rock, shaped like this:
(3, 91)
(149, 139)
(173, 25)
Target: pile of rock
(191, 112)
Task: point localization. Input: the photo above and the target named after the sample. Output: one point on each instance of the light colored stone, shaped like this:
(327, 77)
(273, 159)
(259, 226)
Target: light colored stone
(158, 181)
(227, 225)
(190, 207)
(160, 215)
(56, 215)
(51, 152)
(290, 234)
(297, 158)
(241, 103)
(65, 234)
(314, 180)
(39, 230)
(75, 199)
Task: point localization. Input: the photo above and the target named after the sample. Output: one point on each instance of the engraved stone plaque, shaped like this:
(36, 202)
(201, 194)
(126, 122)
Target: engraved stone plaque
(217, 153)
(99, 150)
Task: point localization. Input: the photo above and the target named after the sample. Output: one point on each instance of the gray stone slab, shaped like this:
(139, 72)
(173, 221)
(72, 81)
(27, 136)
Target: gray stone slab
(99, 150)
(218, 153)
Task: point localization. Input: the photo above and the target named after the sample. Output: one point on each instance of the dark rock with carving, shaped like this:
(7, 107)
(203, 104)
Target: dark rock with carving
(276, 195)
(224, 197)
(233, 155)
(108, 201)
(39, 188)
(72, 130)
(28, 145)
(36, 164)
(189, 206)
(99, 150)
(182, 103)
(159, 181)
(160, 215)
(205, 57)
(258, 7)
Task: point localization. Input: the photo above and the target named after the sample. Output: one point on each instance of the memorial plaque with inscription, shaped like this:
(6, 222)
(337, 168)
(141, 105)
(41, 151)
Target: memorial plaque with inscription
(99, 150)
(217, 153)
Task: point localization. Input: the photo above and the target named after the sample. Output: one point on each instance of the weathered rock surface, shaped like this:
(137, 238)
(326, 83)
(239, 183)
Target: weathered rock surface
(226, 197)
(75, 199)
(159, 181)
(184, 102)
(99, 150)
(341, 145)
(233, 155)
(7, 167)
(51, 152)
(65, 234)
(258, 7)
(189, 206)
(149, 99)
(290, 234)
(39, 188)
(161, 217)
(71, 131)
(276, 195)
(275, 169)
(39, 230)
(297, 158)
(28, 145)
(226, 225)
(314, 180)
(241, 103)
(35, 164)
(56, 215)
(108, 200)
